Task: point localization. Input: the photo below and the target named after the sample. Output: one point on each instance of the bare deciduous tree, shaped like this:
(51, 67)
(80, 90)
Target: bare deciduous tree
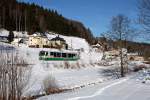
(144, 15)
(13, 75)
(144, 18)
(120, 29)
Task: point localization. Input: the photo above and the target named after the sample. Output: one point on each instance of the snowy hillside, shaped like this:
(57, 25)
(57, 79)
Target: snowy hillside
(62, 73)
(73, 42)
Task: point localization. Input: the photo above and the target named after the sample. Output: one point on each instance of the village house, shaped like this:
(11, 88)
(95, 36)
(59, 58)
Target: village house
(97, 48)
(58, 43)
(38, 41)
(111, 54)
(135, 57)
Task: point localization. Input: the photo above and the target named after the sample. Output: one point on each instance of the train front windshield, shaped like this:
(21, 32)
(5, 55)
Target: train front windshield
(43, 53)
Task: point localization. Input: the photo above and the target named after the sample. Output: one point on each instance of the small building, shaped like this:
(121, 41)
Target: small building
(4, 35)
(97, 48)
(111, 54)
(38, 41)
(135, 57)
(58, 43)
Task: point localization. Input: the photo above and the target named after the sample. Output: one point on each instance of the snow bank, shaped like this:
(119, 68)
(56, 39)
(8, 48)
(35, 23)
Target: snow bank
(144, 76)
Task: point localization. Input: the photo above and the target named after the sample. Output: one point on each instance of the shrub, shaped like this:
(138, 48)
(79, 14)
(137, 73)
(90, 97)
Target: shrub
(139, 67)
(49, 84)
(67, 65)
(77, 64)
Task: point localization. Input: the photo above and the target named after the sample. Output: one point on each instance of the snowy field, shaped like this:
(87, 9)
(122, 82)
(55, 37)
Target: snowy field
(130, 88)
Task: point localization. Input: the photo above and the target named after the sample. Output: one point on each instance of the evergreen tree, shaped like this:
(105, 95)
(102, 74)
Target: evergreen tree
(10, 37)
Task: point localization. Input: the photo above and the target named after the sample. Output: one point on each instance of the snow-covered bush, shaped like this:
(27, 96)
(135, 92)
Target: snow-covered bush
(144, 76)
(139, 67)
(66, 65)
(112, 73)
(77, 64)
(49, 84)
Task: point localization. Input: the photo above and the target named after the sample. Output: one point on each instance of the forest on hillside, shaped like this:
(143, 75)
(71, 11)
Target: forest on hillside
(32, 18)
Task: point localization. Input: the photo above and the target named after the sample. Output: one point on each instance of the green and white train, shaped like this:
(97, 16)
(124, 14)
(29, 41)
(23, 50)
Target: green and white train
(59, 55)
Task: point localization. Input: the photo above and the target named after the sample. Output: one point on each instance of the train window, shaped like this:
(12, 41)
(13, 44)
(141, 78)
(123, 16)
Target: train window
(64, 55)
(51, 53)
(55, 55)
(46, 53)
(70, 55)
(58, 54)
(42, 53)
(73, 55)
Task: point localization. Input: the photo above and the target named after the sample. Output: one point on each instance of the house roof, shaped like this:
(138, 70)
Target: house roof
(58, 38)
(4, 32)
(36, 34)
(97, 45)
(20, 34)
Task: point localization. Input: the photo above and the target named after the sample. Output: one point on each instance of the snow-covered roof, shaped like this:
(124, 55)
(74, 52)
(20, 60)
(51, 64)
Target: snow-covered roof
(4, 32)
(37, 34)
(57, 38)
(97, 45)
(20, 34)
(17, 40)
(132, 54)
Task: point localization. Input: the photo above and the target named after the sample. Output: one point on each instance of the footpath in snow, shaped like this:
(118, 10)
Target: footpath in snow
(129, 88)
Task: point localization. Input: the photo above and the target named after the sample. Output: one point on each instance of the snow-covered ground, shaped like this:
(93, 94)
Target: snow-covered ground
(83, 72)
(129, 88)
